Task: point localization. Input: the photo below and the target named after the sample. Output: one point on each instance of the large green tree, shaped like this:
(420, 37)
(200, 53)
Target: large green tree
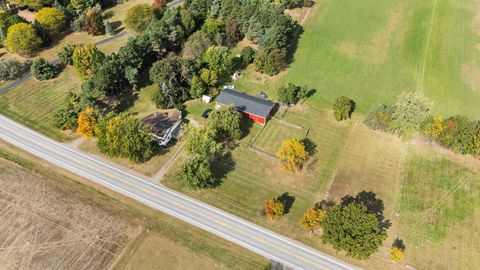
(138, 17)
(218, 60)
(125, 136)
(353, 229)
(22, 38)
(201, 142)
(409, 113)
(226, 123)
(196, 173)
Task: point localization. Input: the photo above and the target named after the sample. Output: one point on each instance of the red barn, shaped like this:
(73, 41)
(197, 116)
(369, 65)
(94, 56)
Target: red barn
(258, 109)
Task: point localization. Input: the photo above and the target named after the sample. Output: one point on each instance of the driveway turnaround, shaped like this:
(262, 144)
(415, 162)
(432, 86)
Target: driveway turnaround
(204, 216)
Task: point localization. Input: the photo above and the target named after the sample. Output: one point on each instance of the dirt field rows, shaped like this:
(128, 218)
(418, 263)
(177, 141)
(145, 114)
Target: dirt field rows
(44, 225)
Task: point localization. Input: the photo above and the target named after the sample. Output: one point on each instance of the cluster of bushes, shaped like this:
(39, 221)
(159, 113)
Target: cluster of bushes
(404, 118)
(458, 133)
(51, 18)
(411, 114)
(21, 37)
(43, 70)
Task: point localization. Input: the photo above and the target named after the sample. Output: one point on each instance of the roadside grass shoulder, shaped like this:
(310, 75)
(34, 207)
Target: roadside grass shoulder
(198, 242)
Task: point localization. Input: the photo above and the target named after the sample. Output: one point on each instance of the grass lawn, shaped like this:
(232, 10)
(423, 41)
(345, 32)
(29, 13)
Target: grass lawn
(157, 252)
(272, 136)
(372, 51)
(439, 207)
(33, 102)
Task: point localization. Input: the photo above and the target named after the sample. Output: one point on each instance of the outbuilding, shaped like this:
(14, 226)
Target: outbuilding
(258, 109)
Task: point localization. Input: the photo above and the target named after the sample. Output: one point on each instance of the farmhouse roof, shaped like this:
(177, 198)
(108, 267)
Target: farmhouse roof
(246, 103)
(161, 123)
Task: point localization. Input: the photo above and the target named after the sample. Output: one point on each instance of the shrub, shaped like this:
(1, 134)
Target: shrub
(78, 25)
(43, 70)
(66, 54)
(22, 38)
(343, 108)
(8, 19)
(138, 17)
(379, 118)
(274, 208)
(396, 254)
(93, 21)
(434, 128)
(51, 19)
(10, 70)
(65, 117)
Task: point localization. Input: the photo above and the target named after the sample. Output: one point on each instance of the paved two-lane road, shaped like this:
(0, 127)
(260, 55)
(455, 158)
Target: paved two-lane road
(218, 222)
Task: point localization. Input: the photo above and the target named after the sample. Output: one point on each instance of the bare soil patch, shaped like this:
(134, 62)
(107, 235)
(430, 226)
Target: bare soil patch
(46, 225)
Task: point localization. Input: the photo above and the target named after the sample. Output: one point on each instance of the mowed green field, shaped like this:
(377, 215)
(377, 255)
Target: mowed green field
(374, 50)
(439, 207)
(272, 136)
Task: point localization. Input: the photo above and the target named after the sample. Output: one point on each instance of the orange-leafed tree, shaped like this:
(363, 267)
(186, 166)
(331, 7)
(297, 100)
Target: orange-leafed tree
(159, 4)
(312, 219)
(87, 120)
(274, 208)
(292, 154)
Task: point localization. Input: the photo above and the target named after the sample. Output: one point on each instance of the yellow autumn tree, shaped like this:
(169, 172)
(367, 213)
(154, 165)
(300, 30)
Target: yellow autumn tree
(396, 254)
(434, 128)
(292, 154)
(86, 123)
(312, 219)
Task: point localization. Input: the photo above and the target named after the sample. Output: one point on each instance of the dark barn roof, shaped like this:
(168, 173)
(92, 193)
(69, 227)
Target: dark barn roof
(246, 103)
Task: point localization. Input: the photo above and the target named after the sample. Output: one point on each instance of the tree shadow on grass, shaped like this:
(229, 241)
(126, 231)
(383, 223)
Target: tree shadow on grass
(287, 200)
(222, 166)
(310, 146)
(374, 205)
(116, 27)
(246, 125)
